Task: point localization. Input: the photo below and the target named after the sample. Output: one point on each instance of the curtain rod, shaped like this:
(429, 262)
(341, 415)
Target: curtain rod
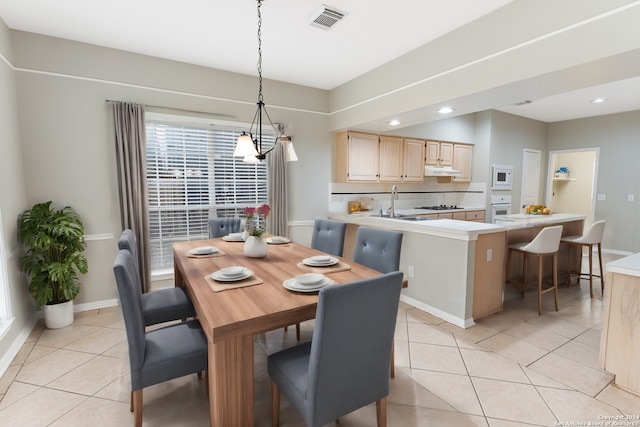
(228, 116)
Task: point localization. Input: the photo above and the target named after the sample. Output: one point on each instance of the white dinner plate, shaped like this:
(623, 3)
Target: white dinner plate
(234, 271)
(292, 285)
(219, 277)
(204, 250)
(309, 279)
(230, 238)
(312, 263)
(277, 242)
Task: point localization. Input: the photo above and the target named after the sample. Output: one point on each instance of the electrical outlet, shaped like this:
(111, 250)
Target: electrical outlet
(601, 197)
(411, 271)
(630, 197)
(489, 255)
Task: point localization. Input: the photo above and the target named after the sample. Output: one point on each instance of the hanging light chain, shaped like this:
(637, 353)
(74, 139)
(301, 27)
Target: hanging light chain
(259, 51)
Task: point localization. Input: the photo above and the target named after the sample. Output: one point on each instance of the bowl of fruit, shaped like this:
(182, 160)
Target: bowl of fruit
(537, 210)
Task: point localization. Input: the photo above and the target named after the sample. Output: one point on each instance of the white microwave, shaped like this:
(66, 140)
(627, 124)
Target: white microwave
(502, 177)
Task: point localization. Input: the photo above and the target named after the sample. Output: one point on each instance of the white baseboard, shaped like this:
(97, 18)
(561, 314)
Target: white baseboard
(459, 322)
(17, 343)
(95, 305)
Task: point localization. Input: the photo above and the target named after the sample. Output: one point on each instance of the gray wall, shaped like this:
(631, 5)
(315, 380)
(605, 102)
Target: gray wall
(57, 119)
(12, 198)
(510, 135)
(618, 136)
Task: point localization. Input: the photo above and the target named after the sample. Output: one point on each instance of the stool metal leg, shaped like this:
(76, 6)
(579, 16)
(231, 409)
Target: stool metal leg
(555, 279)
(539, 284)
(601, 270)
(590, 270)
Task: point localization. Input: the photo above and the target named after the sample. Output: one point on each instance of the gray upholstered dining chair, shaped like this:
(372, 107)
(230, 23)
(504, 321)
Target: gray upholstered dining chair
(378, 249)
(159, 355)
(220, 227)
(328, 236)
(346, 364)
(162, 305)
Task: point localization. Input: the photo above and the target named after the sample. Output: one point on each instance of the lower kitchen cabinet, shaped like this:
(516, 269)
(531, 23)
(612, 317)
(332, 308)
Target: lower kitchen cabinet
(488, 274)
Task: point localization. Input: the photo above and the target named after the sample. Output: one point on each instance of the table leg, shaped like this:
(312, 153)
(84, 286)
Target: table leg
(231, 387)
(178, 280)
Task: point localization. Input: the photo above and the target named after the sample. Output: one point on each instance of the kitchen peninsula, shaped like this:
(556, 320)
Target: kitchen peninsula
(456, 269)
(445, 261)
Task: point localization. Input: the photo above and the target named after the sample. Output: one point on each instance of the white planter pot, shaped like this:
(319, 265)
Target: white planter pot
(58, 315)
(255, 247)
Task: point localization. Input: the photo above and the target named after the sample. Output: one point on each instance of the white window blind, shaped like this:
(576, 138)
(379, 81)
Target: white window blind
(192, 176)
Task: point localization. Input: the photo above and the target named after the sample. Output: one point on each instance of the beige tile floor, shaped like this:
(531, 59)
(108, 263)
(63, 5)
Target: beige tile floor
(511, 369)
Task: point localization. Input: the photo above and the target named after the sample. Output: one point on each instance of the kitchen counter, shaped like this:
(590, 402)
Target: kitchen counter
(454, 229)
(515, 221)
(629, 265)
(454, 268)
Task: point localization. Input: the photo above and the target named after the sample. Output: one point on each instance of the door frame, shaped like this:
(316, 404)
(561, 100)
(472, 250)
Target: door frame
(594, 184)
(527, 176)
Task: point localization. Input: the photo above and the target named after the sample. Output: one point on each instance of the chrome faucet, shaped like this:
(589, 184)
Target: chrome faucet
(394, 197)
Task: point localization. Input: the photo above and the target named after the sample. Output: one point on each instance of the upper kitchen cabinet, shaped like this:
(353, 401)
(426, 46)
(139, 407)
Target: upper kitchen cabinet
(439, 153)
(357, 157)
(413, 164)
(462, 161)
(391, 159)
(362, 157)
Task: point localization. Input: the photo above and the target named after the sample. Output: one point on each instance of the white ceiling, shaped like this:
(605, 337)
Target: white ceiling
(222, 34)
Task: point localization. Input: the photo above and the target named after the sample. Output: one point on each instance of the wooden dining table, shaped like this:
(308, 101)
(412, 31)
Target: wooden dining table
(231, 318)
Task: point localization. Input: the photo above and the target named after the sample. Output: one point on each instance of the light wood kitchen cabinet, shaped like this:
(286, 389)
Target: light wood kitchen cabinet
(620, 339)
(462, 161)
(413, 168)
(477, 216)
(357, 157)
(488, 274)
(439, 153)
(362, 157)
(391, 158)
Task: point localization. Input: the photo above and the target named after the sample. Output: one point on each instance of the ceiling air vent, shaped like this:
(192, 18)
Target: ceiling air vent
(325, 16)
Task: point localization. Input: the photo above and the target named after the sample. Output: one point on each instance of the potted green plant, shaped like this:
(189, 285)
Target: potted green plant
(55, 255)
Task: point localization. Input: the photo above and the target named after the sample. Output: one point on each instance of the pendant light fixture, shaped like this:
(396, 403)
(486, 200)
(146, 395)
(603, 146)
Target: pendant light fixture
(252, 146)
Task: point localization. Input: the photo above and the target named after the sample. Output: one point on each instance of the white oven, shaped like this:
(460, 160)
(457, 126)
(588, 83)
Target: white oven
(502, 177)
(500, 207)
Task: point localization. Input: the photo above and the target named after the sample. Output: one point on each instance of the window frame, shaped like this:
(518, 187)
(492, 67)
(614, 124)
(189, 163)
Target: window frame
(216, 183)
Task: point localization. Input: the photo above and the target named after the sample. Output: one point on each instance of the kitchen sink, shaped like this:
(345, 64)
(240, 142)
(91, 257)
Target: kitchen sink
(416, 218)
(407, 217)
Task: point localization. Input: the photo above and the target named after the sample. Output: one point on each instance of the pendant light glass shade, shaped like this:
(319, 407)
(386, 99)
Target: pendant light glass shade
(291, 153)
(245, 146)
(250, 159)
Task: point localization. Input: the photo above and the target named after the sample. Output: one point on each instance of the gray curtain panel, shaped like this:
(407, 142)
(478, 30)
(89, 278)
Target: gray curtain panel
(132, 179)
(277, 191)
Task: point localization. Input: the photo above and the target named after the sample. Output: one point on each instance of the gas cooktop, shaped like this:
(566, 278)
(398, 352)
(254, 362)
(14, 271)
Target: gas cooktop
(439, 208)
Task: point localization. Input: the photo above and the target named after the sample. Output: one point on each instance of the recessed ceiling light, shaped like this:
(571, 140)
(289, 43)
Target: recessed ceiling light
(446, 110)
(394, 122)
(597, 100)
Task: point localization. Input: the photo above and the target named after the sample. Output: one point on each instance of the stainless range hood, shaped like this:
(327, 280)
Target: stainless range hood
(440, 171)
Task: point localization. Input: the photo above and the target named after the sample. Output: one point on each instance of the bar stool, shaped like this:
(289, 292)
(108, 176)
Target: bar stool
(593, 236)
(546, 243)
